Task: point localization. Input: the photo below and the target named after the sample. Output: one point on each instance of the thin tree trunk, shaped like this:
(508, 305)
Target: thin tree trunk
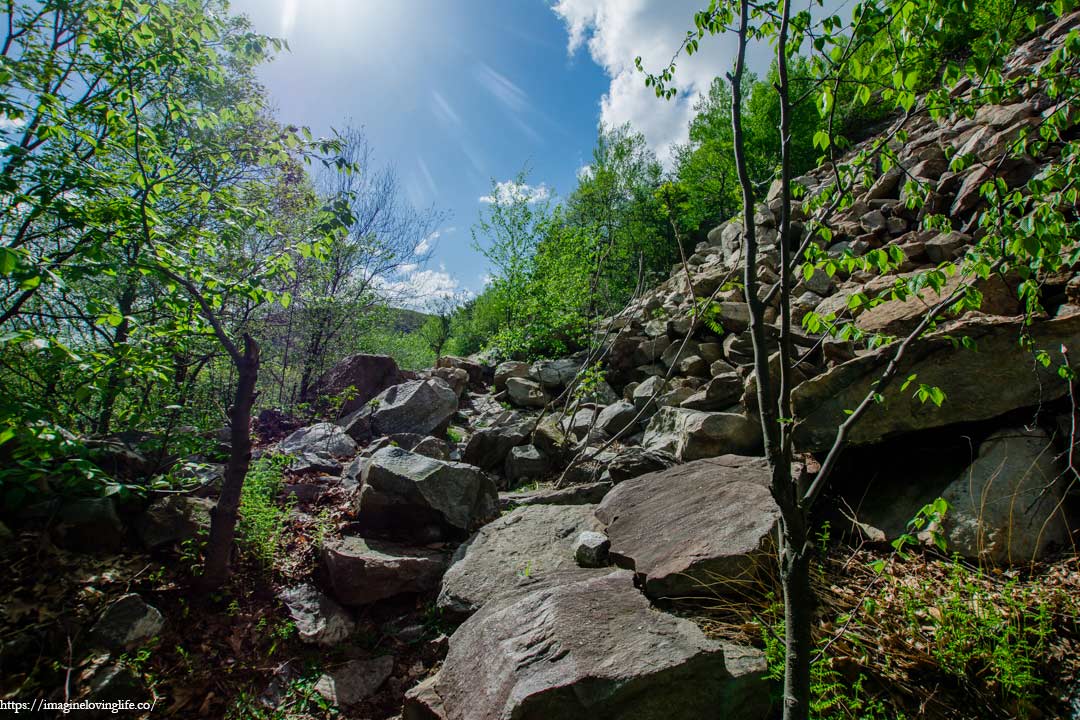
(224, 516)
(798, 621)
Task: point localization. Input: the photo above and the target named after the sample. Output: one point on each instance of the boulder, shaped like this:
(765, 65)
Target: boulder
(488, 447)
(505, 371)
(1006, 507)
(689, 529)
(127, 623)
(616, 417)
(432, 448)
(362, 571)
(645, 394)
(173, 519)
(720, 393)
(355, 681)
(589, 649)
(529, 546)
(407, 495)
(318, 619)
(321, 439)
(456, 378)
(361, 376)
(554, 374)
(524, 392)
(526, 462)
(693, 434)
(418, 406)
(630, 462)
(900, 317)
(938, 360)
(479, 373)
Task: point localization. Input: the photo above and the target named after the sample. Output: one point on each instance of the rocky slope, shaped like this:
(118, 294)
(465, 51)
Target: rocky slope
(553, 508)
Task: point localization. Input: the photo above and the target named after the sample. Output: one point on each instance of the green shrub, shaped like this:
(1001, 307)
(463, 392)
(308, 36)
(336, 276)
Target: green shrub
(262, 519)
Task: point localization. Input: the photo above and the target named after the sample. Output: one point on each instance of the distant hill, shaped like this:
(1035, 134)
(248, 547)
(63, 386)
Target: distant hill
(406, 321)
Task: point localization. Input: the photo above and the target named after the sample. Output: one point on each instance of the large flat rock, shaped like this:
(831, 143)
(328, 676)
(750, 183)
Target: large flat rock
(997, 377)
(362, 571)
(687, 529)
(526, 548)
(589, 649)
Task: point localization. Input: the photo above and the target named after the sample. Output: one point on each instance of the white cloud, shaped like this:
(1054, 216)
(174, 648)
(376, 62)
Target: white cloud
(11, 123)
(584, 172)
(509, 191)
(427, 244)
(502, 88)
(416, 288)
(617, 31)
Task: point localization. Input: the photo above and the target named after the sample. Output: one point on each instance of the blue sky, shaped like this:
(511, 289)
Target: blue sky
(457, 94)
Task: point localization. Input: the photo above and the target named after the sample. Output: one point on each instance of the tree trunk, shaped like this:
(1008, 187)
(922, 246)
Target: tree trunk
(224, 516)
(798, 622)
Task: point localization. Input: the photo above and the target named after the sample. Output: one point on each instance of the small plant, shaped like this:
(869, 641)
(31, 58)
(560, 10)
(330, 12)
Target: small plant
(590, 382)
(454, 435)
(262, 520)
(323, 528)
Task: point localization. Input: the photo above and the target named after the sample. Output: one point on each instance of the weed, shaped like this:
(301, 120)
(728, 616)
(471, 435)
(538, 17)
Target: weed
(454, 435)
(262, 520)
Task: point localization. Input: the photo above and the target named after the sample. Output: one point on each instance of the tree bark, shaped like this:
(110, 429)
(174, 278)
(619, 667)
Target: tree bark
(224, 515)
(798, 621)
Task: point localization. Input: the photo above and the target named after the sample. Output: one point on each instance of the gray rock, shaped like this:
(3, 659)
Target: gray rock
(364, 571)
(873, 221)
(325, 439)
(593, 648)
(524, 392)
(688, 529)
(526, 462)
(938, 360)
(488, 447)
(456, 378)
(361, 376)
(583, 494)
(646, 392)
(127, 623)
(418, 406)
(173, 519)
(946, 246)
(554, 374)
(1005, 508)
(505, 371)
(616, 417)
(591, 549)
(319, 620)
(630, 462)
(433, 448)
(355, 681)
(528, 546)
(416, 497)
(819, 282)
(310, 462)
(693, 434)
(722, 392)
